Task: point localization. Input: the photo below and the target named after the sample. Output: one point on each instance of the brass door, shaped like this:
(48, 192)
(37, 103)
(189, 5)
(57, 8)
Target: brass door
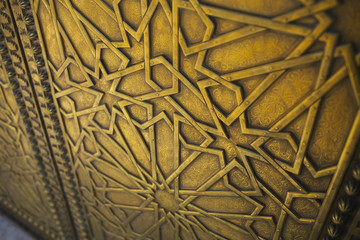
(176, 119)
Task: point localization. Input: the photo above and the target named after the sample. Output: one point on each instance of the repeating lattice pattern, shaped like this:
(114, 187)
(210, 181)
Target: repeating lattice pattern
(190, 120)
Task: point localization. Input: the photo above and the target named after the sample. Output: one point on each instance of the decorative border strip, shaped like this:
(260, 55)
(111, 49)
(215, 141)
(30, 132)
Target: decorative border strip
(31, 38)
(23, 92)
(345, 206)
(11, 74)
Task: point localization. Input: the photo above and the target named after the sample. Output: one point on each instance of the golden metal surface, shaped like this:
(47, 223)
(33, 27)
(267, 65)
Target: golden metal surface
(174, 119)
(212, 120)
(29, 187)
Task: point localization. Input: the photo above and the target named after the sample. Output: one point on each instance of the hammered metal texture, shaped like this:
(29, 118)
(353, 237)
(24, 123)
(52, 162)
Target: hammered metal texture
(200, 120)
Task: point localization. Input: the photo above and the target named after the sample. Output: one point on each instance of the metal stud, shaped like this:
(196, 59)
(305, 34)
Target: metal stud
(333, 230)
(43, 75)
(46, 87)
(10, 72)
(32, 34)
(338, 217)
(24, 4)
(36, 48)
(356, 172)
(39, 62)
(48, 96)
(28, 19)
(352, 187)
(345, 204)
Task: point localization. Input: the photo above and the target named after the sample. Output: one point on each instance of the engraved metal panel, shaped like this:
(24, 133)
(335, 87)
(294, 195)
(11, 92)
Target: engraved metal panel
(200, 120)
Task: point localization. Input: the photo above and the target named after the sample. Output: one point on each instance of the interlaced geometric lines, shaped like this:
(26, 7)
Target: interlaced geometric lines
(202, 120)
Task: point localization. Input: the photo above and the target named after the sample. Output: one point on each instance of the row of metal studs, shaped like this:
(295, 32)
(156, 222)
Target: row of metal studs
(345, 204)
(17, 88)
(55, 132)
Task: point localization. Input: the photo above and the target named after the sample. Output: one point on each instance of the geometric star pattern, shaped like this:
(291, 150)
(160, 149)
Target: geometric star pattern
(202, 120)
